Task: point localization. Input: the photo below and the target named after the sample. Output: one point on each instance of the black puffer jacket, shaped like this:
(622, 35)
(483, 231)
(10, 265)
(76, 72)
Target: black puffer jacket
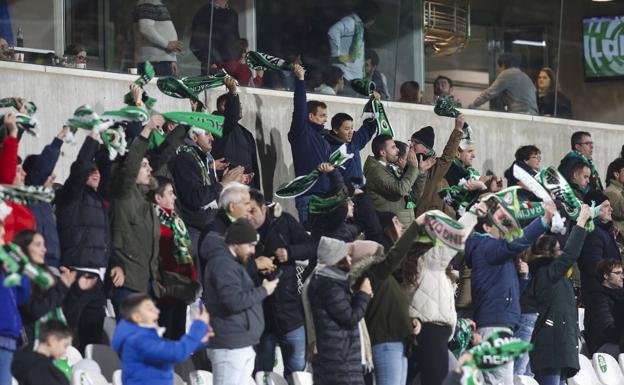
(283, 310)
(336, 314)
(604, 317)
(82, 216)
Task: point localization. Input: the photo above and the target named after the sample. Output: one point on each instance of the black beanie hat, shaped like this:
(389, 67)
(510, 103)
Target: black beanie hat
(425, 136)
(240, 232)
(596, 196)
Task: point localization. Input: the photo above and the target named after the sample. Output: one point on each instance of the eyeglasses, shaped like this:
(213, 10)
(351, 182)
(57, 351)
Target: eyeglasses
(586, 143)
(538, 157)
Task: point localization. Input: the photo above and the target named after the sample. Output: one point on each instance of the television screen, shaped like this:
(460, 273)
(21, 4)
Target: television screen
(603, 46)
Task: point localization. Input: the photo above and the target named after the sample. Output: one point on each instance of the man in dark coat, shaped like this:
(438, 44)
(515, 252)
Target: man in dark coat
(583, 150)
(283, 238)
(604, 310)
(333, 314)
(237, 145)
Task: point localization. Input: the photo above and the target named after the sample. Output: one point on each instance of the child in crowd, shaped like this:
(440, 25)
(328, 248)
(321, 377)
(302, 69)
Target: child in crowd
(145, 357)
(34, 367)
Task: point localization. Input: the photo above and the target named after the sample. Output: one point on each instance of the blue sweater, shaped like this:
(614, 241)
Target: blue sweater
(10, 299)
(353, 168)
(148, 359)
(307, 141)
(495, 286)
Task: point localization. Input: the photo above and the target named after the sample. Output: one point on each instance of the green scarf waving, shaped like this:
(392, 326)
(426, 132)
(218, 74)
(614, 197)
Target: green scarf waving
(181, 238)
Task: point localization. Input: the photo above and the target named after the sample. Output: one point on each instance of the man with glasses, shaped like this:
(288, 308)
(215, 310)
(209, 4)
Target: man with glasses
(583, 149)
(604, 314)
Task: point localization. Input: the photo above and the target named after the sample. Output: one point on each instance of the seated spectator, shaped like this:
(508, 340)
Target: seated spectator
(371, 62)
(514, 86)
(333, 82)
(546, 91)
(443, 87)
(34, 367)
(146, 357)
(529, 159)
(604, 310)
(5, 52)
(240, 70)
(615, 192)
(410, 92)
(582, 149)
(78, 53)
(156, 38)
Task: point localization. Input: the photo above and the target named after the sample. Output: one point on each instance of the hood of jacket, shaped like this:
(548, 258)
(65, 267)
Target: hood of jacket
(333, 139)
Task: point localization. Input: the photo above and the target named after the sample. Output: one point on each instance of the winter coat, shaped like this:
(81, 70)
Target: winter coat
(193, 195)
(599, 244)
(148, 359)
(237, 145)
(10, 299)
(283, 310)
(432, 299)
(555, 337)
(546, 105)
(135, 225)
(336, 313)
(388, 192)
(32, 368)
(431, 199)
(231, 297)
(353, 168)
(494, 285)
(604, 317)
(307, 141)
(42, 211)
(615, 193)
(523, 195)
(82, 216)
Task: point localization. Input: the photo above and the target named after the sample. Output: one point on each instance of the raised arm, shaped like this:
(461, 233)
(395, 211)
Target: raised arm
(232, 107)
(300, 111)
(396, 254)
(362, 136)
(558, 268)
(46, 161)
(499, 85)
(346, 310)
(158, 351)
(8, 153)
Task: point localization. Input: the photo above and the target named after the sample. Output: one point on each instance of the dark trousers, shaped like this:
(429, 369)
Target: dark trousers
(161, 68)
(431, 354)
(84, 311)
(173, 317)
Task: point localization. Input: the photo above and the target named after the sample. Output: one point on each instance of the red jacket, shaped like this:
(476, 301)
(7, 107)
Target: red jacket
(241, 72)
(167, 260)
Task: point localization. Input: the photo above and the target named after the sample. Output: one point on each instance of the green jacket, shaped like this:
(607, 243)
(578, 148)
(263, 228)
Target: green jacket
(556, 330)
(615, 192)
(388, 192)
(135, 225)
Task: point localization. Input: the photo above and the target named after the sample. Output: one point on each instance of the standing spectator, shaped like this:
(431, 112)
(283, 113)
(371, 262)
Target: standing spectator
(600, 244)
(384, 187)
(333, 82)
(615, 191)
(604, 310)
(346, 39)
(443, 87)
(546, 91)
(135, 225)
(85, 240)
(554, 357)
(307, 141)
(410, 92)
(333, 313)
(495, 287)
(237, 147)
(283, 238)
(578, 178)
(234, 302)
(177, 276)
(156, 38)
(582, 149)
(239, 69)
(233, 204)
(371, 62)
(217, 40)
(515, 87)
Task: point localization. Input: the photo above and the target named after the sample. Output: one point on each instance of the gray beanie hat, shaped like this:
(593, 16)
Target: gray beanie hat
(330, 251)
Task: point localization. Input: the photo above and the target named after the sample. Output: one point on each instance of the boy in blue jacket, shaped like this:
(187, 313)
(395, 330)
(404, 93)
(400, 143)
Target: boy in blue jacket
(495, 286)
(145, 357)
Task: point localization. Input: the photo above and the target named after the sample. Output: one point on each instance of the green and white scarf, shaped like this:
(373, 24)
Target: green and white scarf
(439, 229)
(207, 122)
(25, 121)
(445, 107)
(301, 184)
(590, 164)
(320, 205)
(181, 249)
(115, 141)
(200, 162)
(25, 195)
(503, 211)
(499, 349)
(87, 119)
(16, 264)
(189, 87)
(458, 194)
(262, 61)
(127, 114)
(141, 81)
(366, 87)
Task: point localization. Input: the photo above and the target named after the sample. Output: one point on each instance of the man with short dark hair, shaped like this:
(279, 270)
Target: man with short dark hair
(333, 81)
(582, 149)
(410, 92)
(515, 87)
(578, 178)
(371, 62)
(604, 309)
(443, 87)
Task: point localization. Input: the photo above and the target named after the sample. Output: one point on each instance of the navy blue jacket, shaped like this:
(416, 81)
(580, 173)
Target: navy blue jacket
(599, 244)
(307, 141)
(495, 286)
(43, 212)
(10, 298)
(353, 168)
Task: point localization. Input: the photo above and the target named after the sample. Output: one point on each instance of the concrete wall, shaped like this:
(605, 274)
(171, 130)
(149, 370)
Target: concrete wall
(267, 114)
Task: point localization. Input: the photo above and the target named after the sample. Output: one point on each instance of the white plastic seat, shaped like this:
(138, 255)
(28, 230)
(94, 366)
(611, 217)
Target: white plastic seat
(117, 377)
(302, 378)
(586, 375)
(272, 378)
(522, 380)
(200, 377)
(81, 377)
(105, 357)
(14, 381)
(108, 330)
(73, 355)
(177, 380)
(621, 361)
(607, 369)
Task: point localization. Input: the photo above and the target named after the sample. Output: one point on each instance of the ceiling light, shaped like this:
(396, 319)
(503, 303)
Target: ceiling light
(530, 42)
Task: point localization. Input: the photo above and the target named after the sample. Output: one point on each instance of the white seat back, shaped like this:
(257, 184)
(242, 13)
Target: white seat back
(73, 356)
(581, 318)
(269, 378)
(302, 378)
(177, 380)
(81, 377)
(621, 361)
(201, 377)
(524, 380)
(586, 375)
(117, 377)
(607, 369)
